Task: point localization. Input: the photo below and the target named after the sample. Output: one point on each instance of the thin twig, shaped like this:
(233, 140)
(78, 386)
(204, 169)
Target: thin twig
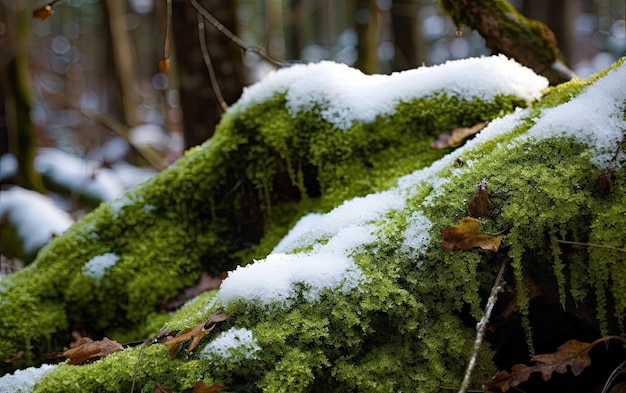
(592, 245)
(168, 27)
(614, 374)
(481, 327)
(132, 386)
(236, 40)
(209, 65)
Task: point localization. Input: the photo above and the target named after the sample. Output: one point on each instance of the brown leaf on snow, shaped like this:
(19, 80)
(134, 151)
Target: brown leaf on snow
(456, 137)
(479, 205)
(573, 354)
(92, 351)
(196, 333)
(466, 235)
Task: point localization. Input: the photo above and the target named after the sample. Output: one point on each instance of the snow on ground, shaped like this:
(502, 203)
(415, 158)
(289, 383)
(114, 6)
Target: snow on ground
(24, 380)
(35, 216)
(86, 176)
(347, 95)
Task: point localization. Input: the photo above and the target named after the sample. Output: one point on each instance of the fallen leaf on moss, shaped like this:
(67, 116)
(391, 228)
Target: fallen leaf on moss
(479, 204)
(16, 356)
(161, 389)
(92, 351)
(466, 235)
(573, 354)
(456, 137)
(196, 333)
(200, 387)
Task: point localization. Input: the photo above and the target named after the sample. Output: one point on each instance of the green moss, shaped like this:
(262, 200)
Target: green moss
(410, 326)
(223, 204)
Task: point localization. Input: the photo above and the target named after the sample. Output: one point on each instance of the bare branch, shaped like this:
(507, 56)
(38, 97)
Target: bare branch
(209, 65)
(236, 40)
(592, 245)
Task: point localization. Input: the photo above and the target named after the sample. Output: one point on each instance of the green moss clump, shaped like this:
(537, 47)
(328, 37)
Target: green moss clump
(221, 205)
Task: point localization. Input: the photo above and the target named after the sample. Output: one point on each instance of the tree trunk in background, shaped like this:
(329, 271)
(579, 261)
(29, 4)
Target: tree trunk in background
(201, 109)
(410, 48)
(274, 36)
(123, 57)
(368, 32)
(17, 99)
(294, 30)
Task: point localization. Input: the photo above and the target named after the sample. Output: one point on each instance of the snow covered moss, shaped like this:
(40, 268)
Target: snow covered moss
(406, 323)
(292, 145)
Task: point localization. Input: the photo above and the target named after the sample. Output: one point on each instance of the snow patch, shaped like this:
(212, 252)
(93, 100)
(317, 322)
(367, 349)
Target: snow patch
(345, 95)
(97, 266)
(35, 217)
(233, 345)
(23, 381)
(599, 120)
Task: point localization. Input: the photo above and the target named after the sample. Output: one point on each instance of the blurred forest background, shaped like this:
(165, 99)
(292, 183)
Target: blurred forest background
(101, 95)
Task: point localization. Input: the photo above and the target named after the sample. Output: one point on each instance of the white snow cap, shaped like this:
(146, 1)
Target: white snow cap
(346, 95)
(35, 216)
(24, 380)
(595, 117)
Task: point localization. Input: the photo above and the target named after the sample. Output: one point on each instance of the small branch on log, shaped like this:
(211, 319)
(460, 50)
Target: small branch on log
(481, 327)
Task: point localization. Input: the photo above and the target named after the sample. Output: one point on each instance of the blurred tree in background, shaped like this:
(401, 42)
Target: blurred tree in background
(86, 80)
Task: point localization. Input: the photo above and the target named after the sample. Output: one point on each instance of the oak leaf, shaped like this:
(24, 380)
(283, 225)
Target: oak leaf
(90, 351)
(466, 235)
(456, 137)
(479, 204)
(196, 333)
(573, 354)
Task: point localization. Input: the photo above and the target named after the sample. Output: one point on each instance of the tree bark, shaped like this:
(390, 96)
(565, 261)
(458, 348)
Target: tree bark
(17, 103)
(201, 109)
(506, 31)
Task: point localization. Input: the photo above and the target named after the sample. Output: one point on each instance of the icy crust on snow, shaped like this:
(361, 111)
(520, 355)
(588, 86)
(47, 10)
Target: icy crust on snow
(345, 95)
(22, 381)
(234, 345)
(599, 120)
(35, 217)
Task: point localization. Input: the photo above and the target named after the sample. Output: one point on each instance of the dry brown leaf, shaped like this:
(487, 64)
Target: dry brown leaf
(200, 387)
(43, 12)
(161, 389)
(16, 356)
(466, 235)
(573, 354)
(479, 205)
(197, 332)
(92, 351)
(456, 137)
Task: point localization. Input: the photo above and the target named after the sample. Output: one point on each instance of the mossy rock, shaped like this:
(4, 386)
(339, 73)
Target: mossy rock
(387, 309)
